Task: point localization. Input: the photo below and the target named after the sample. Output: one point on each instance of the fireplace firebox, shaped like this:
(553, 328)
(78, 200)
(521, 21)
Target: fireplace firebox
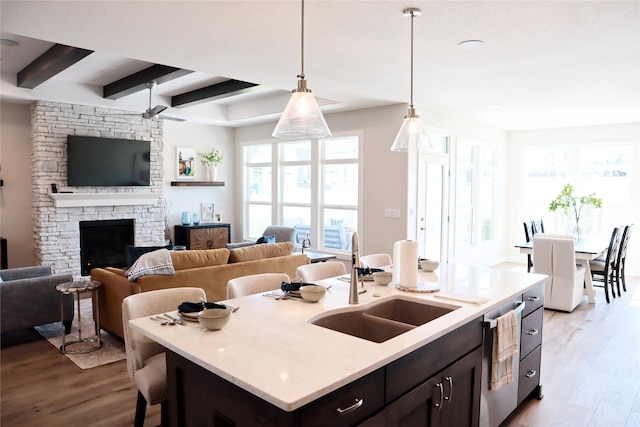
(103, 243)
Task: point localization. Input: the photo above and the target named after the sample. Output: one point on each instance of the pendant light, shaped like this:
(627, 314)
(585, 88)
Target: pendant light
(412, 131)
(302, 117)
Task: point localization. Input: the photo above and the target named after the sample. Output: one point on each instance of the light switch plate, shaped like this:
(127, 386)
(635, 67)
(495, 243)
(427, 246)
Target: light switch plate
(392, 213)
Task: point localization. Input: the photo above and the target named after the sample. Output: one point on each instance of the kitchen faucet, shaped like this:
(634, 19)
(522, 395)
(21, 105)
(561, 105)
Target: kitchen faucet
(355, 266)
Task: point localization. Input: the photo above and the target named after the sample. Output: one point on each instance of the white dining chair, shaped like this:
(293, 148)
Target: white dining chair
(320, 270)
(255, 283)
(555, 257)
(146, 361)
(375, 260)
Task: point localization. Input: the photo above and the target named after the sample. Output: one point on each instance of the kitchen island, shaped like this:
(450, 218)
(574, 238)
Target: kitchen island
(277, 365)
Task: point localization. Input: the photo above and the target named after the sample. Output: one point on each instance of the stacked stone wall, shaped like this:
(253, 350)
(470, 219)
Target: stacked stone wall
(56, 229)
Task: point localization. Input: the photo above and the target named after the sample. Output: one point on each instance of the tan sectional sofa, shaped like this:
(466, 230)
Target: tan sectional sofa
(207, 269)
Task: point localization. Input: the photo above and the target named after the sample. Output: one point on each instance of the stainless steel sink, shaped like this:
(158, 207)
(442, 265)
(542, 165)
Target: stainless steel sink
(384, 320)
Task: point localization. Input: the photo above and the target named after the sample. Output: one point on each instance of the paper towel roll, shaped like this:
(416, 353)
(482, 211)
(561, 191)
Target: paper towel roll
(405, 263)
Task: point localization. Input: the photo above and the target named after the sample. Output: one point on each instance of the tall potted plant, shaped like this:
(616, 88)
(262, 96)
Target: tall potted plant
(211, 159)
(573, 205)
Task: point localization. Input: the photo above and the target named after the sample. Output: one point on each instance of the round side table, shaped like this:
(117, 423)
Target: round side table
(81, 345)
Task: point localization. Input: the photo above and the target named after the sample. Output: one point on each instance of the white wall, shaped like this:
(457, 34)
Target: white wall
(15, 196)
(579, 135)
(202, 138)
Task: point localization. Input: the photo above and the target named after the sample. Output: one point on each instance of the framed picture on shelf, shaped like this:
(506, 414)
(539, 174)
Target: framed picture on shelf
(206, 212)
(217, 217)
(185, 163)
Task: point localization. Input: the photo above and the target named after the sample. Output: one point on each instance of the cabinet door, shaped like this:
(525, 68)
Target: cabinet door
(208, 238)
(420, 407)
(450, 398)
(462, 391)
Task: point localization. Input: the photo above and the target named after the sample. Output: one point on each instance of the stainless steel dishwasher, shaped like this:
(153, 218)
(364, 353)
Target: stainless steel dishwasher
(496, 405)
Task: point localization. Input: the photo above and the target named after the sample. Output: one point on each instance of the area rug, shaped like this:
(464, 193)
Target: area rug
(112, 349)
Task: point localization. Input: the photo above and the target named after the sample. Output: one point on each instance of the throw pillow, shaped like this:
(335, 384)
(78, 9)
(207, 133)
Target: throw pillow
(133, 252)
(156, 262)
(266, 239)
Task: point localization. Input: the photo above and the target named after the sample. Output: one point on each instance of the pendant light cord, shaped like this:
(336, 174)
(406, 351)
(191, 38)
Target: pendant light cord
(301, 76)
(412, 16)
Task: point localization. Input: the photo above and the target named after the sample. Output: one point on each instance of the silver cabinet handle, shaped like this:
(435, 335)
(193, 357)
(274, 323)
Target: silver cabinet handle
(449, 398)
(533, 298)
(358, 403)
(530, 374)
(532, 332)
(439, 405)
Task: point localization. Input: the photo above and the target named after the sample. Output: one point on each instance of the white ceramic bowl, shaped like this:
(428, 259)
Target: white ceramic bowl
(312, 293)
(428, 265)
(382, 278)
(214, 318)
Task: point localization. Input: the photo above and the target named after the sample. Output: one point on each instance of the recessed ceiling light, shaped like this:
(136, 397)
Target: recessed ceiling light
(8, 42)
(471, 44)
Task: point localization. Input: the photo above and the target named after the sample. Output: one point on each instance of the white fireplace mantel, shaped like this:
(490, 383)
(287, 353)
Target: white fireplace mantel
(69, 200)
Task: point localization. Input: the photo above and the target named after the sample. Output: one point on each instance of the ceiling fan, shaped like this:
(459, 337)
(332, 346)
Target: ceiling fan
(155, 111)
(152, 112)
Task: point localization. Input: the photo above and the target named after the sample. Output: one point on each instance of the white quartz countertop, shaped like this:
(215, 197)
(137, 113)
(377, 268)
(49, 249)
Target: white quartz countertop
(271, 350)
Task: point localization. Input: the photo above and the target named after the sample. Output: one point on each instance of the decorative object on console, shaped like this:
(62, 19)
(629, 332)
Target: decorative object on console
(211, 159)
(412, 131)
(206, 212)
(186, 218)
(217, 217)
(574, 205)
(196, 219)
(302, 117)
(185, 163)
(306, 242)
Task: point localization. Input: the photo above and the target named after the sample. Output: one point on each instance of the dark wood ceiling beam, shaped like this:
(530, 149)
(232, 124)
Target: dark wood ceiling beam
(138, 81)
(209, 93)
(58, 58)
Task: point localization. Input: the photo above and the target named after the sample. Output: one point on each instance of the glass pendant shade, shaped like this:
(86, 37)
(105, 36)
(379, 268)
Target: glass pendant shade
(302, 117)
(411, 133)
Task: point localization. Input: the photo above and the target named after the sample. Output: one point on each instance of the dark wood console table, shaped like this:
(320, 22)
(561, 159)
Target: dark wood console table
(203, 236)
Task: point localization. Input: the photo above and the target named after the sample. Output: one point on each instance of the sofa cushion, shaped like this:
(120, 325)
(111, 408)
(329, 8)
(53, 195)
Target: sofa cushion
(183, 260)
(133, 252)
(254, 252)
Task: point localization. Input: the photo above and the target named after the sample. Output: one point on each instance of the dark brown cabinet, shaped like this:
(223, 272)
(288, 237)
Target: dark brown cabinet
(435, 385)
(449, 398)
(203, 236)
(531, 344)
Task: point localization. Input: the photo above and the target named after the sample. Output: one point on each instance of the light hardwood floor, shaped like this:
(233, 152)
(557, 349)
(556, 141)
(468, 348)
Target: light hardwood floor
(590, 375)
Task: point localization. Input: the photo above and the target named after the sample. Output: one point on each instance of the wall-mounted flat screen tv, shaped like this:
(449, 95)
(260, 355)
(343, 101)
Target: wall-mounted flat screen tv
(106, 162)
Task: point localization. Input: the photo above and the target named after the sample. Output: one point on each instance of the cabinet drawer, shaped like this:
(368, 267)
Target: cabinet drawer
(414, 368)
(529, 374)
(324, 411)
(531, 335)
(533, 299)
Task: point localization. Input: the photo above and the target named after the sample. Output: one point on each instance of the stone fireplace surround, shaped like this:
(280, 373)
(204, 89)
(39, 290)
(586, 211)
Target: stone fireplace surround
(56, 229)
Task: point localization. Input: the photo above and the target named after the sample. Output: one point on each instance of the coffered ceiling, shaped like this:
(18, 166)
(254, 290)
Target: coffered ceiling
(543, 64)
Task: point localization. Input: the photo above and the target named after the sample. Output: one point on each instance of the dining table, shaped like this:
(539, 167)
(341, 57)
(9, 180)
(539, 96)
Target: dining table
(586, 250)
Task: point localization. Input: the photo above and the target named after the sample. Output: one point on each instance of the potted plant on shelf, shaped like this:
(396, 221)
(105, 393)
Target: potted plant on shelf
(211, 159)
(573, 205)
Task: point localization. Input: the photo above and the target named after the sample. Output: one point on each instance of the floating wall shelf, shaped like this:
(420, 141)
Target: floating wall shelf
(197, 183)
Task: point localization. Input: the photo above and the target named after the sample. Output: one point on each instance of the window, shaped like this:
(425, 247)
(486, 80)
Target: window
(311, 185)
(474, 194)
(603, 169)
